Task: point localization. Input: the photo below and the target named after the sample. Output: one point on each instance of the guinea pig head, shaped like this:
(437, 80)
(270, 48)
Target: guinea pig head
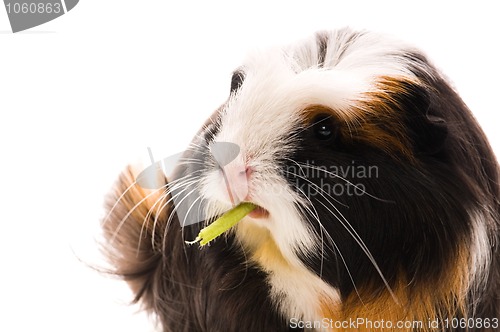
(357, 153)
(377, 196)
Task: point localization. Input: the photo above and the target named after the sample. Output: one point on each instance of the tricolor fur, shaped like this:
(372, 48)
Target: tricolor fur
(415, 241)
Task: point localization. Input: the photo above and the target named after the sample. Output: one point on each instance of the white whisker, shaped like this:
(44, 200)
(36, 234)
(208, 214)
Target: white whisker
(346, 181)
(163, 196)
(174, 210)
(362, 245)
(129, 213)
(345, 223)
(118, 200)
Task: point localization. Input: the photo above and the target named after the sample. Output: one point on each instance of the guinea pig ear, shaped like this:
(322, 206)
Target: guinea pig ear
(237, 80)
(428, 130)
(431, 135)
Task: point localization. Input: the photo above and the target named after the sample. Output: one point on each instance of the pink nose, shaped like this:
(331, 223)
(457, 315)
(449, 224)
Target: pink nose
(237, 179)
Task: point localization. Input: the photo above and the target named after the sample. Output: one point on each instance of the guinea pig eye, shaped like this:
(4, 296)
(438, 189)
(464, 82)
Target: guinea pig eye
(324, 128)
(237, 80)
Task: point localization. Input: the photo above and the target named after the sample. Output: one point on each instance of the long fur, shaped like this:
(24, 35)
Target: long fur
(414, 241)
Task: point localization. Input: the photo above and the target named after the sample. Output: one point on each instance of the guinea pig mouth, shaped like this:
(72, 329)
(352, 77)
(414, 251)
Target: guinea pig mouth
(259, 213)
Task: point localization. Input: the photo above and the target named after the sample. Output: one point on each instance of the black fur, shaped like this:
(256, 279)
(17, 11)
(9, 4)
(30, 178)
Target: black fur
(412, 216)
(237, 80)
(322, 41)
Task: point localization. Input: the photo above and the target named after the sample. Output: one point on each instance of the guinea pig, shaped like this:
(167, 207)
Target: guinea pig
(377, 193)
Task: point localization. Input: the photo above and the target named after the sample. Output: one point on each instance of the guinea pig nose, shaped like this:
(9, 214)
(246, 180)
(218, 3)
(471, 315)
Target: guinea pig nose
(247, 172)
(236, 177)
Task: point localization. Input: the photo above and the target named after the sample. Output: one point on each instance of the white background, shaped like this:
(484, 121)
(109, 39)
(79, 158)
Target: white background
(85, 94)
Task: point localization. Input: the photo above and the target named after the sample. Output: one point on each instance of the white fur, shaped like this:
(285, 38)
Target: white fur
(296, 292)
(480, 252)
(259, 117)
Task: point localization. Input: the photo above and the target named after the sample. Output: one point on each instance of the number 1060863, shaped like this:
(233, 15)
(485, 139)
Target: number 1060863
(34, 8)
